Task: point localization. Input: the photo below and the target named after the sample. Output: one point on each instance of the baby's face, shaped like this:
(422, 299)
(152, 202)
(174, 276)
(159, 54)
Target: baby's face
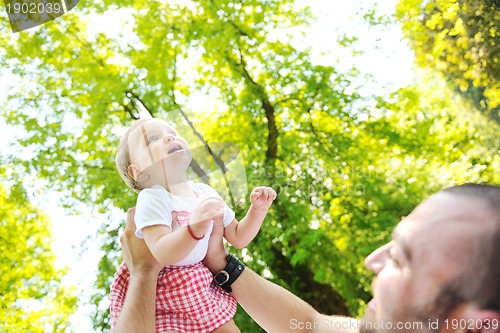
(155, 146)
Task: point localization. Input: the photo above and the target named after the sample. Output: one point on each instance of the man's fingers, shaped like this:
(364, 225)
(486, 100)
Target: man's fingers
(129, 226)
(216, 254)
(130, 218)
(218, 230)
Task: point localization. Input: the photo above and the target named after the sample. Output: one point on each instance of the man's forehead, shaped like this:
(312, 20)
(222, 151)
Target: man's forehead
(442, 223)
(443, 208)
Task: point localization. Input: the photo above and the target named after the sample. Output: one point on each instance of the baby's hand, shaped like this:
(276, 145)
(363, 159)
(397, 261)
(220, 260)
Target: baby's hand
(262, 197)
(209, 207)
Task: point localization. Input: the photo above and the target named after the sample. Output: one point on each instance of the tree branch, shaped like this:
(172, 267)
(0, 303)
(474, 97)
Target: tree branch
(236, 27)
(269, 110)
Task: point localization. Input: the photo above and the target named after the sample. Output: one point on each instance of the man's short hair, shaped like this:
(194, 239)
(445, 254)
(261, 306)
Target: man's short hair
(480, 281)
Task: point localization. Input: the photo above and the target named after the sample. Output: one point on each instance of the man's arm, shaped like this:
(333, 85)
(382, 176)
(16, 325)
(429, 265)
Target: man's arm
(277, 310)
(138, 313)
(274, 308)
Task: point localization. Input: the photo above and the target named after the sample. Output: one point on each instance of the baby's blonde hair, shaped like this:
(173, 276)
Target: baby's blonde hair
(122, 158)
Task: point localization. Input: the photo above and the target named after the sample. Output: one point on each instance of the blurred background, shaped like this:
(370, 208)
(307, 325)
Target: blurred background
(353, 111)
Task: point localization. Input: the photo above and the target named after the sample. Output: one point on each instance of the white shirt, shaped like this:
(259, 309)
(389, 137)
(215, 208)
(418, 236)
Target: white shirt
(157, 206)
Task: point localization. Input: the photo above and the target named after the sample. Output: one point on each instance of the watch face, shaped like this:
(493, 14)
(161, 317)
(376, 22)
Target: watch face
(221, 277)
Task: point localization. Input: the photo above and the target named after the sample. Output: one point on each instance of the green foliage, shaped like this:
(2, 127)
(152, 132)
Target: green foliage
(459, 39)
(347, 167)
(31, 297)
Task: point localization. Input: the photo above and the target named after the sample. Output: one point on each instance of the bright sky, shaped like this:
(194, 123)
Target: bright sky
(386, 57)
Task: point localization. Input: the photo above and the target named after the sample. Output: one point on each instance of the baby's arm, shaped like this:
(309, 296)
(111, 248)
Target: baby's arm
(166, 246)
(170, 247)
(240, 234)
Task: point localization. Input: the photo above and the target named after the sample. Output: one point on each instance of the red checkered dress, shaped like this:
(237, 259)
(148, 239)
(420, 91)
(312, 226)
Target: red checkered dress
(186, 299)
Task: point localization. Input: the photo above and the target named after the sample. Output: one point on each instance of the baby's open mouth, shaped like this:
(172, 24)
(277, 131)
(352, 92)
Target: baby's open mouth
(174, 149)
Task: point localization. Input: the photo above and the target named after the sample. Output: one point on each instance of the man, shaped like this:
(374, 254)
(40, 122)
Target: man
(440, 273)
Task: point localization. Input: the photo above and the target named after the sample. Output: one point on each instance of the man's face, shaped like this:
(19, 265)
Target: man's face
(426, 254)
(155, 148)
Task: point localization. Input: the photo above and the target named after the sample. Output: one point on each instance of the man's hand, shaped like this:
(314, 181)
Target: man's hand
(138, 311)
(134, 250)
(209, 207)
(262, 197)
(215, 259)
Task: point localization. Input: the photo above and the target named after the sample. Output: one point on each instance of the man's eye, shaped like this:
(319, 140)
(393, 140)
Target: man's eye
(395, 262)
(393, 259)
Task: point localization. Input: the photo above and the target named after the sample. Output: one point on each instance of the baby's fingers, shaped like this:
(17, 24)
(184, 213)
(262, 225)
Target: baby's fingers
(263, 192)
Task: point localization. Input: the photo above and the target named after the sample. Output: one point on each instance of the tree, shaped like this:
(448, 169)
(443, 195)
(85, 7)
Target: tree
(459, 39)
(225, 41)
(32, 299)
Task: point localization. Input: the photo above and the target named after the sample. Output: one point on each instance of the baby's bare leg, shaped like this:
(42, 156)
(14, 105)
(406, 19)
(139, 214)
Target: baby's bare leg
(229, 327)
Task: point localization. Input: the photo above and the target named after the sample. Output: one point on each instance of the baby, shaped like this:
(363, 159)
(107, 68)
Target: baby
(175, 218)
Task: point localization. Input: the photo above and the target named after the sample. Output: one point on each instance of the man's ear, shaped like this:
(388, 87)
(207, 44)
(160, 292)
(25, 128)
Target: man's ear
(482, 320)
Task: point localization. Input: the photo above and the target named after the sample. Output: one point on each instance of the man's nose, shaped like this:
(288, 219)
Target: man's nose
(376, 260)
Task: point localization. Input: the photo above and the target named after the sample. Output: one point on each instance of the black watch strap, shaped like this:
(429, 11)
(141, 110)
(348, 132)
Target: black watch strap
(230, 273)
(223, 276)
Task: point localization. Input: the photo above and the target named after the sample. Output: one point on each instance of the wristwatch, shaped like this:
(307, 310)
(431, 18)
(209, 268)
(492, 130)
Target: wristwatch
(230, 273)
